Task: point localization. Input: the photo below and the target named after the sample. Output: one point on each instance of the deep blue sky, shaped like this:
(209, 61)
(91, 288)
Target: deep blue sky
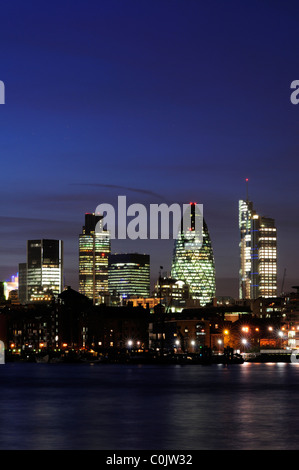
(158, 100)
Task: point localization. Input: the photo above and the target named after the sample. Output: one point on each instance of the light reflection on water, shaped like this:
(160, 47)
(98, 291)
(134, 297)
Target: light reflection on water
(69, 406)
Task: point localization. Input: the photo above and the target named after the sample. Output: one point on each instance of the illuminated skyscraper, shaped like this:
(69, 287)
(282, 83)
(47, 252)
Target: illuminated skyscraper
(258, 254)
(245, 227)
(264, 257)
(94, 249)
(129, 275)
(44, 269)
(193, 260)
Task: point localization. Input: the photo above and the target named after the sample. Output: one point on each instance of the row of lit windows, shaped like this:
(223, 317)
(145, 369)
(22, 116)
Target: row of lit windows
(271, 239)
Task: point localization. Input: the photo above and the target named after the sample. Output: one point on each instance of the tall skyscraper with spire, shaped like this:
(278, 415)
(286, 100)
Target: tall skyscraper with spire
(193, 260)
(258, 253)
(94, 249)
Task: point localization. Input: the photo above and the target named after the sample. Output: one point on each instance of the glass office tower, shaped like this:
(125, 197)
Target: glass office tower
(245, 227)
(44, 269)
(193, 260)
(129, 275)
(258, 254)
(264, 249)
(94, 249)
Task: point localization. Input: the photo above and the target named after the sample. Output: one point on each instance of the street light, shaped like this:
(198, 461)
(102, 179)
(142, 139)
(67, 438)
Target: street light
(244, 341)
(225, 338)
(281, 334)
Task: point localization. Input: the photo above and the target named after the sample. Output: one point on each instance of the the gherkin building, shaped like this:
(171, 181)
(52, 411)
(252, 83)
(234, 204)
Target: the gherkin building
(193, 258)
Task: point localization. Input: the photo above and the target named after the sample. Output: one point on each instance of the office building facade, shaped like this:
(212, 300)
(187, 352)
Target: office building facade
(245, 244)
(41, 277)
(129, 275)
(94, 249)
(258, 254)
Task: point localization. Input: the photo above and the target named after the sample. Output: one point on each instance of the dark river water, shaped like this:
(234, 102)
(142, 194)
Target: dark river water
(148, 407)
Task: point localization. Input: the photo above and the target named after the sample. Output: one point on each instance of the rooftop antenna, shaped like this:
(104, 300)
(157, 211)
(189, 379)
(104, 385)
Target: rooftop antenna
(247, 189)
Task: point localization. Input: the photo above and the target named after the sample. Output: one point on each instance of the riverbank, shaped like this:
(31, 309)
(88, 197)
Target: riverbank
(125, 357)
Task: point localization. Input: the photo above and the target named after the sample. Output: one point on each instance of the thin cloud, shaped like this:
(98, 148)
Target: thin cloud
(126, 188)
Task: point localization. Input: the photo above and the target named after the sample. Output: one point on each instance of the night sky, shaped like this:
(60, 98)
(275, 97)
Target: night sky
(159, 100)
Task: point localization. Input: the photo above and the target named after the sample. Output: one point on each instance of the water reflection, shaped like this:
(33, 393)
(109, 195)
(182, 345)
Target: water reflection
(248, 406)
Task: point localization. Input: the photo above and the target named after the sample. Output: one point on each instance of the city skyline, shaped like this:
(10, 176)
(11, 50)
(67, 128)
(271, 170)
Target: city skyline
(192, 260)
(118, 118)
(234, 291)
(158, 103)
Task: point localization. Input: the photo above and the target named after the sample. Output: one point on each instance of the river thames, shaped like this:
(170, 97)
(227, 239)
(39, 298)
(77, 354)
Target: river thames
(149, 407)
